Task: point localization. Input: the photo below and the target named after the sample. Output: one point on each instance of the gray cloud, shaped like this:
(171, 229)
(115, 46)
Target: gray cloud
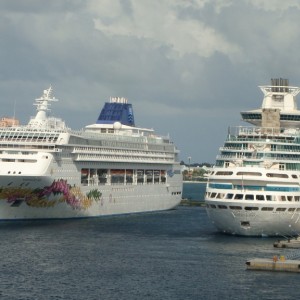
(188, 67)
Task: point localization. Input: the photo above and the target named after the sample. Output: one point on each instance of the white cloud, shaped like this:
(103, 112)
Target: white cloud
(161, 24)
(191, 61)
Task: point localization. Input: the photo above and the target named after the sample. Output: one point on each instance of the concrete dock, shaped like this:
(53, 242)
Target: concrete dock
(276, 264)
(289, 243)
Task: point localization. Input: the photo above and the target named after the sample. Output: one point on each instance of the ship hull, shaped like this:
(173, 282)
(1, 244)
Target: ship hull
(245, 222)
(59, 200)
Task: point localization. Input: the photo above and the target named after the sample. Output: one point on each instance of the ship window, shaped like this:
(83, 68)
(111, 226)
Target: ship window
(220, 196)
(229, 196)
(245, 223)
(269, 197)
(267, 208)
(140, 176)
(102, 175)
(297, 198)
(224, 173)
(291, 209)
(280, 209)
(277, 175)
(213, 195)
(235, 207)
(260, 197)
(238, 196)
(251, 208)
(249, 173)
(289, 198)
(222, 206)
(213, 206)
(249, 197)
(283, 198)
(298, 209)
(294, 176)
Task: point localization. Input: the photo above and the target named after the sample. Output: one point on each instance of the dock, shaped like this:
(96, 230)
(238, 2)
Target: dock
(276, 264)
(289, 243)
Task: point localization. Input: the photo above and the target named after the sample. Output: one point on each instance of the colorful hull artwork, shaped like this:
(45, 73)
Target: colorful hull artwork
(59, 191)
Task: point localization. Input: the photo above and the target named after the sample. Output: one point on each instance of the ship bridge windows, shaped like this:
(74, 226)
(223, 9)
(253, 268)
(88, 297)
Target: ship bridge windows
(260, 197)
(238, 196)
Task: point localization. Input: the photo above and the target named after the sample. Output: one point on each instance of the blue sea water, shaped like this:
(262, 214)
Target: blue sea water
(175, 254)
(193, 190)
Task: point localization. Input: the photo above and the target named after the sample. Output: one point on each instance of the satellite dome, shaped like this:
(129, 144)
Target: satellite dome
(117, 125)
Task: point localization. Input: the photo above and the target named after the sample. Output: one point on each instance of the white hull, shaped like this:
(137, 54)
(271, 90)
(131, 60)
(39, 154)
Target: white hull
(114, 200)
(254, 223)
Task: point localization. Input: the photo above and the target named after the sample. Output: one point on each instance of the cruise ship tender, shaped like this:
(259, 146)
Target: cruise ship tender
(111, 167)
(254, 188)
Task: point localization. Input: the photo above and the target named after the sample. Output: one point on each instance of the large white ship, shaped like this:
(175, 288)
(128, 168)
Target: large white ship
(111, 167)
(254, 188)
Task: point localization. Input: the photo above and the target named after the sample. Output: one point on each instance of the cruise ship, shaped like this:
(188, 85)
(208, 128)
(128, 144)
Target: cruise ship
(110, 167)
(254, 188)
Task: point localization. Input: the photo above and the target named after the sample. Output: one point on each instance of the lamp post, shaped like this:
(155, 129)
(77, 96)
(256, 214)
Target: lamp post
(189, 158)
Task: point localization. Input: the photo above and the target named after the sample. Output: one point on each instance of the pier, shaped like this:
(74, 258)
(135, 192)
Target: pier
(276, 264)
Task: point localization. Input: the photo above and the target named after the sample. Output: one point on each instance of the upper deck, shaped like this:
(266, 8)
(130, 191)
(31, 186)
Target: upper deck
(279, 106)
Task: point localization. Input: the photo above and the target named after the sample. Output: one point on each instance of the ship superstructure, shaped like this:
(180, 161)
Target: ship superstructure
(254, 188)
(111, 167)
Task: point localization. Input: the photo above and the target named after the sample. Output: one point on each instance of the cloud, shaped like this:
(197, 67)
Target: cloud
(162, 24)
(185, 65)
(275, 5)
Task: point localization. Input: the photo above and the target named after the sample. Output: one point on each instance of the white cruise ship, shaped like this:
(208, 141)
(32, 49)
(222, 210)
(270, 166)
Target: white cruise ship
(254, 188)
(111, 167)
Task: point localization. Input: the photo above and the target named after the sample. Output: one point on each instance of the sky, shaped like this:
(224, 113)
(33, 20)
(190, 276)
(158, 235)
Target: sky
(189, 67)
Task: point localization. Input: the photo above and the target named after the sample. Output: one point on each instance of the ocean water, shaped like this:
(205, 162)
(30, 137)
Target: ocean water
(175, 254)
(193, 190)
